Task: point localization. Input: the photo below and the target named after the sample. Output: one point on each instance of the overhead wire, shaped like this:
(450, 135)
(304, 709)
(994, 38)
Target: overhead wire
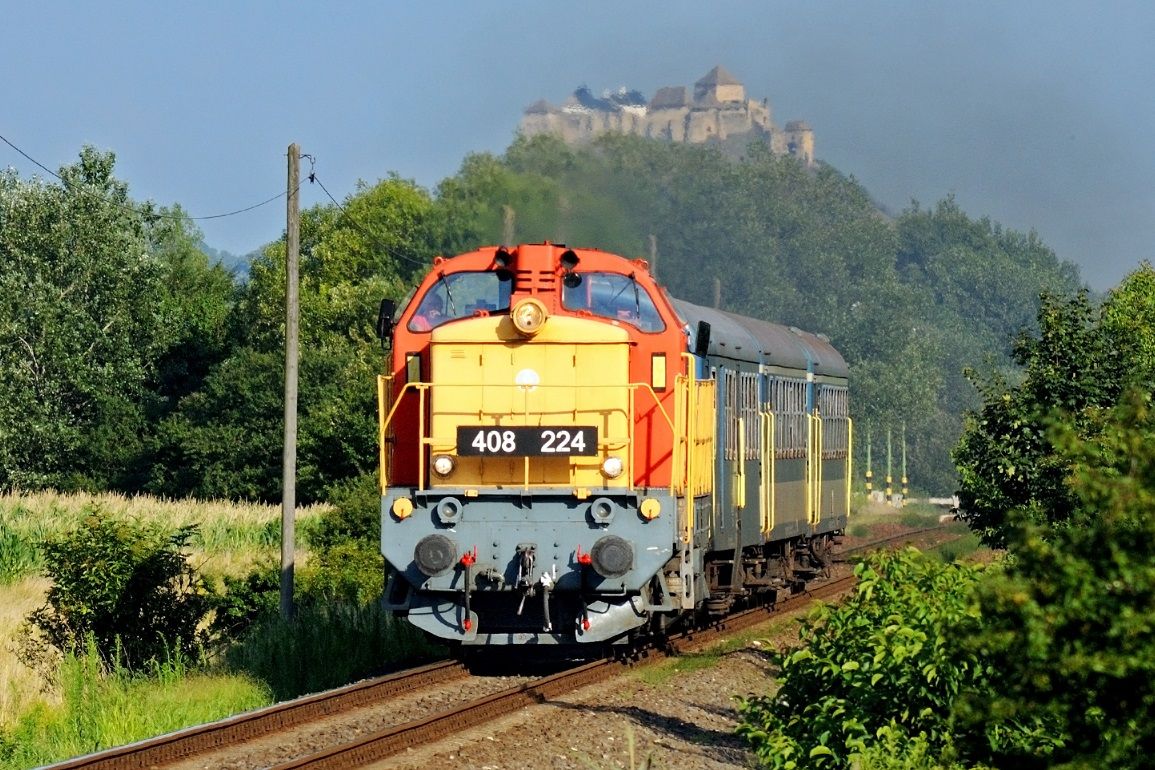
(29, 157)
(345, 213)
(312, 177)
(281, 194)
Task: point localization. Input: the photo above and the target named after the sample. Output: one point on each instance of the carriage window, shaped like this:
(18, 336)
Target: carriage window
(614, 296)
(460, 295)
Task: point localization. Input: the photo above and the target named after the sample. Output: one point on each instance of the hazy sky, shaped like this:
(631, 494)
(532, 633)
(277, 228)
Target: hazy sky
(1040, 115)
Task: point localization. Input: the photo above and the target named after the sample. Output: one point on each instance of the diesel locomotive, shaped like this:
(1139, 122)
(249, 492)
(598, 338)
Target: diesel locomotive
(570, 456)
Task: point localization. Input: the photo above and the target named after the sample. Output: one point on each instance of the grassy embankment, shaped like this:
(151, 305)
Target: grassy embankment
(76, 708)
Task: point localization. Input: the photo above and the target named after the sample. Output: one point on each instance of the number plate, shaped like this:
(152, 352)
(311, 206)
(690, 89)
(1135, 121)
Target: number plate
(528, 442)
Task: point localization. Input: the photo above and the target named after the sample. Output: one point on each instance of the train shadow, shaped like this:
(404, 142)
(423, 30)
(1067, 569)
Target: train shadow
(518, 663)
(718, 745)
(673, 731)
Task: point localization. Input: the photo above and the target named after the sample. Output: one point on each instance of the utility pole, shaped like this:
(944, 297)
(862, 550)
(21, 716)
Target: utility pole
(717, 293)
(889, 476)
(869, 470)
(904, 479)
(292, 311)
(654, 255)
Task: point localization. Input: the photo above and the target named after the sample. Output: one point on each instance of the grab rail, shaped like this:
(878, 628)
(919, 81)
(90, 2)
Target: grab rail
(385, 420)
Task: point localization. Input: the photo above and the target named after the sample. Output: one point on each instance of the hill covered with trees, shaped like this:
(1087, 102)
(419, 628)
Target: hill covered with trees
(129, 361)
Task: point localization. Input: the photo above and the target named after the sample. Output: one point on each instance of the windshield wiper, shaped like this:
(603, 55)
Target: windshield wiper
(448, 296)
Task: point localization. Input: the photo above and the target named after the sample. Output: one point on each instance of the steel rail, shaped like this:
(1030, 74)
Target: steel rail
(841, 555)
(419, 732)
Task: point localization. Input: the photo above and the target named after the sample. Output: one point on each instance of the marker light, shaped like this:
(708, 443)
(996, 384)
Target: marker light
(402, 508)
(443, 465)
(650, 508)
(528, 316)
(612, 467)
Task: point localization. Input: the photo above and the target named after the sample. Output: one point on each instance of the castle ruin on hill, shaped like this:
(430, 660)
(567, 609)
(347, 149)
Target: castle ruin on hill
(717, 110)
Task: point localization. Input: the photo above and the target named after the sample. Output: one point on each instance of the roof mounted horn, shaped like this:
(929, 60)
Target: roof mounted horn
(569, 260)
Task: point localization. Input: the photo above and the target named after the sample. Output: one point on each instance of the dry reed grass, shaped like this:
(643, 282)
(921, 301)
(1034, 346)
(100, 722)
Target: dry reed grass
(57, 510)
(19, 686)
(232, 536)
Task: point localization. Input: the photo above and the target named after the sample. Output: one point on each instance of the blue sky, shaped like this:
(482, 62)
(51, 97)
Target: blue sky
(1037, 114)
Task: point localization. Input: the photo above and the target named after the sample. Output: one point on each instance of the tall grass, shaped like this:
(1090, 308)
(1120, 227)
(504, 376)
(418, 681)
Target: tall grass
(19, 555)
(99, 709)
(93, 709)
(19, 685)
(327, 646)
(956, 550)
(232, 538)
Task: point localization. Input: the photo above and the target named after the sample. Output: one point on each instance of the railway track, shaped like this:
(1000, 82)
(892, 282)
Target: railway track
(175, 748)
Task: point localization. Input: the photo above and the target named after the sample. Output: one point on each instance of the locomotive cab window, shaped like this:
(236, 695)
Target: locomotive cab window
(461, 295)
(614, 296)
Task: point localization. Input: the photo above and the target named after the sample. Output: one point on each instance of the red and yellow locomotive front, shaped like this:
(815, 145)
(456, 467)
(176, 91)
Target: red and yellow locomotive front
(532, 446)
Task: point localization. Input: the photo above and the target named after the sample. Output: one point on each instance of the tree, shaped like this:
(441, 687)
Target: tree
(79, 331)
(1070, 627)
(1006, 463)
(224, 439)
(1077, 367)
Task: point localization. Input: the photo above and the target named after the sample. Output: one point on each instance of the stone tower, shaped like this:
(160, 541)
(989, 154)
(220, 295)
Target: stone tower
(717, 110)
(718, 86)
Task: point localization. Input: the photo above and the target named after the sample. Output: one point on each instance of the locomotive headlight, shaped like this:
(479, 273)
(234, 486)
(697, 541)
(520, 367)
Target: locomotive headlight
(612, 467)
(443, 465)
(529, 316)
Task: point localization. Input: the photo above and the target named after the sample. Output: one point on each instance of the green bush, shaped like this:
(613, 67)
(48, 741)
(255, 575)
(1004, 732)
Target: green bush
(347, 565)
(877, 662)
(242, 602)
(127, 587)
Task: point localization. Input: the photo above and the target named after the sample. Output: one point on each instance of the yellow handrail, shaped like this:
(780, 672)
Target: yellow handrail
(691, 438)
(381, 454)
(740, 467)
(386, 419)
(849, 460)
(818, 472)
(768, 473)
(809, 469)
